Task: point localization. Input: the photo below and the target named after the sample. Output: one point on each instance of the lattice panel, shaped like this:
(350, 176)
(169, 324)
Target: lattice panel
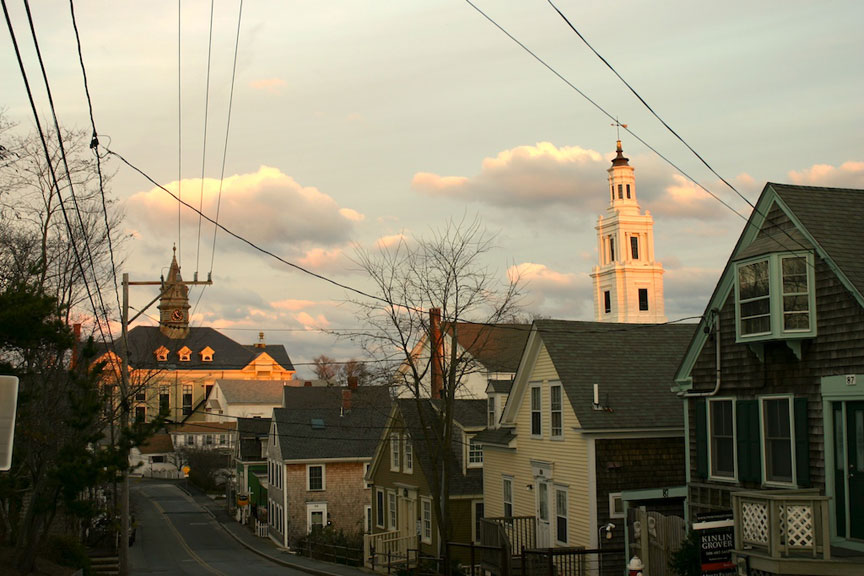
(800, 531)
(754, 522)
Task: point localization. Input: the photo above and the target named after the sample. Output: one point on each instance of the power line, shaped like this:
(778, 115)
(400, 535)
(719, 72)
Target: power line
(94, 144)
(179, 131)
(204, 144)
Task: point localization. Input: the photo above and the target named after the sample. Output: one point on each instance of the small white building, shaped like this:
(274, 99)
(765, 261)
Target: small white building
(231, 399)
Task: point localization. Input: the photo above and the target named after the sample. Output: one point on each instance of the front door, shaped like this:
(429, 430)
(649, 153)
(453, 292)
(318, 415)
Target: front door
(855, 467)
(407, 513)
(543, 528)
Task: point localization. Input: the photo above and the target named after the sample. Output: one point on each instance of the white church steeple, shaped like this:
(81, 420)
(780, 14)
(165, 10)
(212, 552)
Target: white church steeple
(628, 283)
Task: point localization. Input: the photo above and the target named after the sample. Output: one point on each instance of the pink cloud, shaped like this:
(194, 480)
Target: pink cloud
(847, 175)
(269, 85)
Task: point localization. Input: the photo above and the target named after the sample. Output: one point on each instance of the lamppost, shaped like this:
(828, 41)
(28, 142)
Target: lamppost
(608, 527)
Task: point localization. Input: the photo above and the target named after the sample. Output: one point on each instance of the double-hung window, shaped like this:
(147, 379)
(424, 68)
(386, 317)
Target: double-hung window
(490, 410)
(395, 452)
(555, 411)
(775, 297)
(561, 515)
(721, 429)
(391, 509)
(408, 462)
(315, 475)
(379, 507)
(475, 454)
(426, 520)
(508, 497)
(778, 441)
(536, 415)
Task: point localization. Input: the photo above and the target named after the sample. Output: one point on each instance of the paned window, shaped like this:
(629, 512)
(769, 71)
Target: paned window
(555, 410)
(316, 477)
(722, 436)
(187, 399)
(611, 248)
(634, 247)
(475, 454)
(777, 439)
(379, 508)
(490, 408)
(643, 299)
(628, 191)
(536, 429)
(508, 497)
(140, 413)
(395, 452)
(616, 505)
(754, 299)
(620, 192)
(426, 520)
(408, 462)
(561, 515)
(391, 510)
(796, 294)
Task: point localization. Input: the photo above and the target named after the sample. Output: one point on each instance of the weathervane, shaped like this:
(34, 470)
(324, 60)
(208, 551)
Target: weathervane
(618, 127)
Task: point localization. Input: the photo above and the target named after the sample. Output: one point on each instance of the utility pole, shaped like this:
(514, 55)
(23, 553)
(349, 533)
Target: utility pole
(123, 551)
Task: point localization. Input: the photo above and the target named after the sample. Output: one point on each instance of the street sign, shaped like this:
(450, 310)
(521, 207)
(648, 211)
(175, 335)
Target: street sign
(8, 405)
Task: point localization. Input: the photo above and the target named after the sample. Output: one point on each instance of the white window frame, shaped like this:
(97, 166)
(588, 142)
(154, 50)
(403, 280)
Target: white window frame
(507, 481)
(559, 411)
(491, 415)
(366, 467)
(367, 519)
(426, 520)
(395, 452)
(790, 399)
(392, 510)
(380, 508)
(562, 489)
(309, 468)
(312, 507)
(711, 474)
(613, 512)
(407, 456)
(775, 298)
(474, 448)
(538, 410)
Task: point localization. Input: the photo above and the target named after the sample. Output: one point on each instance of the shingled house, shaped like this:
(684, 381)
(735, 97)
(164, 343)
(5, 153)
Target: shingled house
(590, 417)
(402, 479)
(321, 443)
(773, 384)
(250, 467)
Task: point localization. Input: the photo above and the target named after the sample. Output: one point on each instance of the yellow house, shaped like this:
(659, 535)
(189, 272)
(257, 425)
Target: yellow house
(590, 416)
(173, 366)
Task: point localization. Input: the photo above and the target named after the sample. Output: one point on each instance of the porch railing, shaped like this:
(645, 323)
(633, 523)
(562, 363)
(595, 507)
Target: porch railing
(391, 545)
(782, 523)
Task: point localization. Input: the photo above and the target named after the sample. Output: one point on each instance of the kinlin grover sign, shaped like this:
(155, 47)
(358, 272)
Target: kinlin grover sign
(716, 541)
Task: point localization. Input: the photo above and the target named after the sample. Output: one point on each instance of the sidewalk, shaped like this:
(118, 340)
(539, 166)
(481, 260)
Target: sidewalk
(266, 548)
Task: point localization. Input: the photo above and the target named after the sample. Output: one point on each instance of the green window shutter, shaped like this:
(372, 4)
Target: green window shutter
(700, 407)
(802, 443)
(749, 441)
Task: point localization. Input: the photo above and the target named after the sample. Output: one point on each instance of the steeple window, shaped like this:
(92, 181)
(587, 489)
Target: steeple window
(643, 299)
(611, 248)
(607, 301)
(634, 247)
(628, 191)
(620, 192)
(612, 187)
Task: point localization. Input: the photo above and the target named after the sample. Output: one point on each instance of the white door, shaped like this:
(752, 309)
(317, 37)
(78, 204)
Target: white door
(316, 515)
(541, 487)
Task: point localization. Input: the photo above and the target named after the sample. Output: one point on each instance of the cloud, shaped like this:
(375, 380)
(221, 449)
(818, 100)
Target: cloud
(391, 240)
(552, 293)
(847, 175)
(266, 207)
(325, 261)
(683, 199)
(292, 304)
(269, 85)
(527, 177)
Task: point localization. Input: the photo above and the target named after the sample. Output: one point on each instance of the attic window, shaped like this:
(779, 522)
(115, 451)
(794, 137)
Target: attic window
(161, 354)
(207, 354)
(317, 424)
(185, 354)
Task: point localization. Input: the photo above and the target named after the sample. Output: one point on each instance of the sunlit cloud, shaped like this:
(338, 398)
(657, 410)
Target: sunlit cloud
(269, 85)
(391, 240)
(321, 260)
(847, 175)
(265, 207)
(311, 322)
(293, 305)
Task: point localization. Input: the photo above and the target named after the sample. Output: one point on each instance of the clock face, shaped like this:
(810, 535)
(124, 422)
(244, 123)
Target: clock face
(177, 315)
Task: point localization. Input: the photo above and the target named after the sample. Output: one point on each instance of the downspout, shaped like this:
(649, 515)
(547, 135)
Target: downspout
(716, 314)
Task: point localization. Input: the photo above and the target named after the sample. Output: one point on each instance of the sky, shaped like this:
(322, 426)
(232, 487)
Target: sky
(355, 122)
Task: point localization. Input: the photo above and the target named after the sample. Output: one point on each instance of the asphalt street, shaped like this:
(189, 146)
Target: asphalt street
(177, 536)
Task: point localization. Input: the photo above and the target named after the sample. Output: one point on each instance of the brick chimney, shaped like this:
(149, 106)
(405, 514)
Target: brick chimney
(436, 348)
(352, 382)
(307, 383)
(346, 400)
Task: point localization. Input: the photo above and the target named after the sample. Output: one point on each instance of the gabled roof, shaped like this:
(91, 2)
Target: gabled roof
(204, 428)
(252, 391)
(633, 364)
(826, 220)
(227, 354)
(345, 434)
(418, 416)
(157, 444)
(252, 427)
(497, 347)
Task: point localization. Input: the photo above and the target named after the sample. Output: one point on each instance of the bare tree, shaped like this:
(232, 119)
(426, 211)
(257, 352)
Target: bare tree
(447, 271)
(325, 367)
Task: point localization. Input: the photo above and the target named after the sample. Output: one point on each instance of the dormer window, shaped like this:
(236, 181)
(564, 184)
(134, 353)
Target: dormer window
(185, 354)
(775, 297)
(161, 354)
(207, 354)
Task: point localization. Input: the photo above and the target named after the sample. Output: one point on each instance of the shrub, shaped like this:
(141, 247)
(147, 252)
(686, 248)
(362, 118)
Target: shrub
(67, 551)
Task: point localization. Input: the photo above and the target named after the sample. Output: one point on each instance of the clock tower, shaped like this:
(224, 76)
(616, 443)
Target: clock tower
(174, 303)
(628, 282)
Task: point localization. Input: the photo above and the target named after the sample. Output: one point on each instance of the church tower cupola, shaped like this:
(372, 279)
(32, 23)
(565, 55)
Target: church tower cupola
(174, 303)
(628, 283)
